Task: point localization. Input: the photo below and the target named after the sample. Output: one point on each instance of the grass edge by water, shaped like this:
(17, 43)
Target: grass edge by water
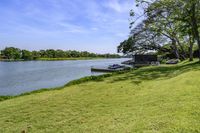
(182, 65)
(70, 83)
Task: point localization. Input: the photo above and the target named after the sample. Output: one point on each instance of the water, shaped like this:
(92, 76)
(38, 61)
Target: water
(21, 77)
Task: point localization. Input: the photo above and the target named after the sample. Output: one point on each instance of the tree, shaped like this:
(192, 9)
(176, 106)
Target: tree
(127, 46)
(161, 18)
(35, 55)
(167, 17)
(1, 55)
(50, 53)
(26, 55)
(190, 13)
(15, 53)
(141, 40)
(11, 53)
(59, 54)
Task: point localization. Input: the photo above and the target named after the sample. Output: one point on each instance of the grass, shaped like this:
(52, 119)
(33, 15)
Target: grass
(150, 99)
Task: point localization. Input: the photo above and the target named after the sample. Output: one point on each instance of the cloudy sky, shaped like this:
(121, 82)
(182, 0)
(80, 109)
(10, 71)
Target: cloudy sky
(92, 25)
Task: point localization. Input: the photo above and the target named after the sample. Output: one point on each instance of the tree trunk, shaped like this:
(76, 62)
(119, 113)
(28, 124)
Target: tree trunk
(195, 27)
(175, 49)
(183, 54)
(191, 48)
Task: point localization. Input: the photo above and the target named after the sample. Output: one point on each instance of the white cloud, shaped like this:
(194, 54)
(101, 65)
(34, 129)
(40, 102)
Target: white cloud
(68, 27)
(114, 4)
(119, 6)
(94, 29)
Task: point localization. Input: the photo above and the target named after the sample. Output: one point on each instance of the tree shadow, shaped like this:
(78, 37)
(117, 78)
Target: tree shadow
(160, 72)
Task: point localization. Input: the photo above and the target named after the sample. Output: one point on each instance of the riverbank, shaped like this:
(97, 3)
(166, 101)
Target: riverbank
(73, 82)
(149, 99)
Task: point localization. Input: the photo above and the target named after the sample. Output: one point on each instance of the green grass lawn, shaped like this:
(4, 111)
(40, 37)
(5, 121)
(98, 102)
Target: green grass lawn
(150, 99)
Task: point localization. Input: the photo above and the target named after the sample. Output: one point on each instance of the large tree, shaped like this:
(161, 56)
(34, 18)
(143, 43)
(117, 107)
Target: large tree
(26, 55)
(12, 53)
(141, 40)
(167, 17)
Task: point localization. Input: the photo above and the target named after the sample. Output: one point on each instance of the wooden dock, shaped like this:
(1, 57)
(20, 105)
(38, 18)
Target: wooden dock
(108, 70)
(102, 70)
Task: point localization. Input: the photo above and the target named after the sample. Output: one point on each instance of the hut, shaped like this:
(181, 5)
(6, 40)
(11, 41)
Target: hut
(142, 60)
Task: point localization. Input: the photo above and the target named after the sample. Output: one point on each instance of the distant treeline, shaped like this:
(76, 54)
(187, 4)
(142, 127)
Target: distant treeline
(12, 53)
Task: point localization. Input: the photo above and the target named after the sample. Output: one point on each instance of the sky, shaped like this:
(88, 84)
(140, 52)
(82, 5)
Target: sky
(86, 25)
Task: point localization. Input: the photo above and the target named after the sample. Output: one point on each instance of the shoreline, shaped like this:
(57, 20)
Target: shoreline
(96, 78)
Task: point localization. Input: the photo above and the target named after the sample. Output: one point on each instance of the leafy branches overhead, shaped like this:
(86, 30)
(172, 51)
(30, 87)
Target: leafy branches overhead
(174, 22)
(141, 40)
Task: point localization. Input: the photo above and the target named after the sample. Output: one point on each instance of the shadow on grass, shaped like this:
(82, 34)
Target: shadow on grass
(160, 72)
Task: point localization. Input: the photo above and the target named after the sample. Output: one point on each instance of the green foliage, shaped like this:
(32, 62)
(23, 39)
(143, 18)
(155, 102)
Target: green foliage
(12, 53)
(2, 98)
(36, 55)
(27, 55)
(173, 22)
(126, 46)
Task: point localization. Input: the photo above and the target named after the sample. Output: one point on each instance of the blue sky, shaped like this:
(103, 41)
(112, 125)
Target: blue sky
(92, 25)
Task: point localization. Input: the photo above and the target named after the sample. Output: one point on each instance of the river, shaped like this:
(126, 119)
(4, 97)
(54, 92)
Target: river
(27, 76)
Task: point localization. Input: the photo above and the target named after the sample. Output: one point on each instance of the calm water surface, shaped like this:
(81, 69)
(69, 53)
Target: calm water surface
(21, 77)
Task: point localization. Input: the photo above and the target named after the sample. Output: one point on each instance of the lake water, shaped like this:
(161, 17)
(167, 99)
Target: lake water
(21, 77)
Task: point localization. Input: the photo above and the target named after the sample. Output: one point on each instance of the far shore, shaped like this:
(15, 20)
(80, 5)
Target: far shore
(57, 59)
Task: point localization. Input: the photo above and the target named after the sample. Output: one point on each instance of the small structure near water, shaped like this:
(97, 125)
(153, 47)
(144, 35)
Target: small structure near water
(137, 61)
(142, 60)
(111, 68)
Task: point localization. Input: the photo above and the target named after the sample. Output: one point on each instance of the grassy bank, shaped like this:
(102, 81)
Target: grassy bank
(150, 99)
(73, 82)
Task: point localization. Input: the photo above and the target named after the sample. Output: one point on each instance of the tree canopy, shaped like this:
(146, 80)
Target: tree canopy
(16, 54)
(174, 23)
